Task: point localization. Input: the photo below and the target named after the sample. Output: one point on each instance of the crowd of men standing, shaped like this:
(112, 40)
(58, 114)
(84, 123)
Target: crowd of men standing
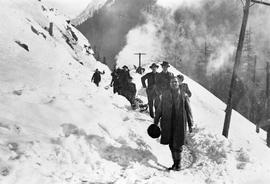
(168, 102)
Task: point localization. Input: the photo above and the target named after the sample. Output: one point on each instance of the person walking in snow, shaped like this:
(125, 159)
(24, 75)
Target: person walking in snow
(124, 76)
(115, 80)
(151, 89)
(96, 78)
(185, 89)
(172, 116)
(130, 92)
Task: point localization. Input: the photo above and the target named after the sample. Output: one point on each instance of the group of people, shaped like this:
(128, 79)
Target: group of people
(123, 85)
(168, 100)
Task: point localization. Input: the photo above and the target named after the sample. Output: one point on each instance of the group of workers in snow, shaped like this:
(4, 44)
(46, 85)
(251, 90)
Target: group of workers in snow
(168, 102)
(123, 85)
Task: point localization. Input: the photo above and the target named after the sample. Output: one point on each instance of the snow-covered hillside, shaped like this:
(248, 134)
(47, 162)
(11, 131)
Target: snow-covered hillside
(93, 6)
(58, 127)
(70, 8)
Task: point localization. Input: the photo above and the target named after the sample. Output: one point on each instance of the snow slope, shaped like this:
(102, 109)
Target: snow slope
(88, 12)
(70, 8)
(58, 127)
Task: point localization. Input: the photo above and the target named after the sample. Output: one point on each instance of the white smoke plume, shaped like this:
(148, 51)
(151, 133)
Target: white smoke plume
(217, 22)
(219, 58)
(141, 39)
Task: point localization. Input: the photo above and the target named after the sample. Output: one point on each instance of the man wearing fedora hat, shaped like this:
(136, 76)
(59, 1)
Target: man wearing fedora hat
(164, 77)
(151, 90)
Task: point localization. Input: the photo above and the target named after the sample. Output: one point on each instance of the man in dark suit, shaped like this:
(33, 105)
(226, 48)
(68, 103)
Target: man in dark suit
(164, 77)
(151, 89)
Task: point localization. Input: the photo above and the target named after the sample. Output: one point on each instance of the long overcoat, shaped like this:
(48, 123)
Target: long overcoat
(173, 130)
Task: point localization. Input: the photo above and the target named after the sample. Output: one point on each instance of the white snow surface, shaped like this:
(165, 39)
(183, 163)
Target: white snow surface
(88, 12)
(71, 8)
(56, 127)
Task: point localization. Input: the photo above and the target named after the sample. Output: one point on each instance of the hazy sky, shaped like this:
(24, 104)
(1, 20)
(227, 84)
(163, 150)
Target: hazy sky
(70, 8)
(173, 4)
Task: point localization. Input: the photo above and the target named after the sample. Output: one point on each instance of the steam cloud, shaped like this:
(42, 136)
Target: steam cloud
(176, 34)
(142, 39)
(177, 30)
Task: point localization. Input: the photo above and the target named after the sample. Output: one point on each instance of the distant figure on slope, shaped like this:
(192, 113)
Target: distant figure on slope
(151, 88)
(129, 91)
(185, 89)
(173, 124)
(96, 78)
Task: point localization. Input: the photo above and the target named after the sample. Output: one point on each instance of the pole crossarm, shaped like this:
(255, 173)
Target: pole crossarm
(140, 53)
(261, 2)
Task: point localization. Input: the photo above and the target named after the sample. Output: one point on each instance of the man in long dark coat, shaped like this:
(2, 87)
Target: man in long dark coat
(124, 76)
(115, 80)
(151, 89)
(172, 116)
(130, 92)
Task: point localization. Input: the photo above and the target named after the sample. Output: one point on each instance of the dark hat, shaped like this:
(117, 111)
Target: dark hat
(180, 77)
(165, 63)
(153, 65)
(125, 66)
(153, 131)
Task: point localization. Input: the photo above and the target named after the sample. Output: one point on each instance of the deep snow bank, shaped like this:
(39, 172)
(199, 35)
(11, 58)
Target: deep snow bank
(58, 127)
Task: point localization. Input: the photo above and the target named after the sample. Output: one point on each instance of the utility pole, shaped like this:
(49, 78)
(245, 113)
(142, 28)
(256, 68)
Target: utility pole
(267, 103)
(254, 69)
(140, 62)
(253, 100)
(227, 120)
(267, 89)
(228, 110)
(140, 56)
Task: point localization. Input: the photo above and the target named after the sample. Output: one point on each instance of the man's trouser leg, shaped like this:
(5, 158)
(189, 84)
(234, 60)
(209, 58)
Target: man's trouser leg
(157, 97)
(189, 113)
(176, 156)
(150, 102)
